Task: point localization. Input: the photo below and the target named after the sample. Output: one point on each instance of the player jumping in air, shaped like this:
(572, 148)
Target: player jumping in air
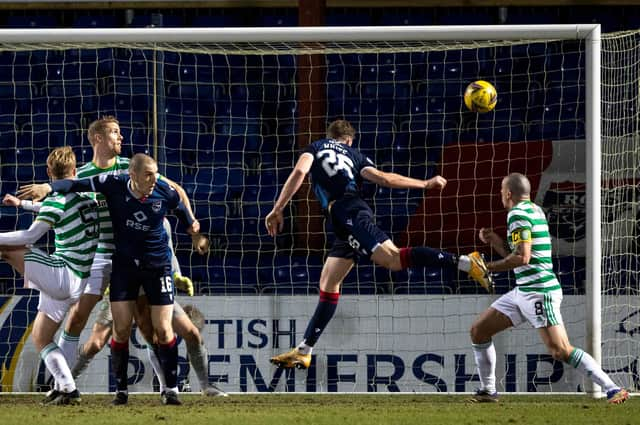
(536, 298)
(337, 170)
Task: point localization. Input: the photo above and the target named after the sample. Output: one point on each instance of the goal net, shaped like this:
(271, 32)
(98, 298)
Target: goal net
(226, 114)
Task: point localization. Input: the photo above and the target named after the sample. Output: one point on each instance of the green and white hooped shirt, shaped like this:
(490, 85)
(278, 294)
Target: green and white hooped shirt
(526, 222)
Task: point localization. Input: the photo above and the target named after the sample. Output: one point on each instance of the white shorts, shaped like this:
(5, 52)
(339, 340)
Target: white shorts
(59, 286)
(100, 276)
(540, 309)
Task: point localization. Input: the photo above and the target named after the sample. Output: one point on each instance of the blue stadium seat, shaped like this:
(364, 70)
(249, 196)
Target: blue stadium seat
(196, 91)
(338, 18)
(280, 69)
(160, 20)
(608, 17)
(431, 280)
(83, 154)
(20, 92)
(24, 165)
(184, 134)
(374, 133)
(380, 91)
(95, 21)
(366, 279)
(291, 275)
(67, 97)
(464, 65)
(237, 134)
(54, 134)
(467, 16)
(226, 20)
(571, 272)
(387, 219)
(120, 107)
(281, 20)
(177, 108)
(94, 62)
(137, 134)
(35, 21)
(534, 15)
(416, 17)
(559, 130)
(137, 69)
(129, 86)
(229, 288)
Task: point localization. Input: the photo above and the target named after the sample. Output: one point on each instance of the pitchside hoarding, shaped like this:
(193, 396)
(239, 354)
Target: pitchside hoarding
(374, 344)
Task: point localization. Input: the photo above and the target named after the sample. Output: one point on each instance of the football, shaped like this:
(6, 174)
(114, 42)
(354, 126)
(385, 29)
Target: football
(480, 96)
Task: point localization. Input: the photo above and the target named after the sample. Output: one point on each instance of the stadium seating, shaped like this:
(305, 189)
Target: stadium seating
(339, 18)
(157, 19)
(95, 21)
(232, 143)
(35, 21)
(223, 20)
(268, 20)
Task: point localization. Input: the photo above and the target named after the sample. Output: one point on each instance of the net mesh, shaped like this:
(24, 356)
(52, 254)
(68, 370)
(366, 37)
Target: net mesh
(620, 208)
(227, 122)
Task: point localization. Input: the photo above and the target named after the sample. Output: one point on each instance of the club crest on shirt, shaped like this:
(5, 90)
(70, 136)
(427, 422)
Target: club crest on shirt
(156, 206)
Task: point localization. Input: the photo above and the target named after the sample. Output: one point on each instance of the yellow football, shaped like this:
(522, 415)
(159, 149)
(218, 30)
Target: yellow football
(480, 96)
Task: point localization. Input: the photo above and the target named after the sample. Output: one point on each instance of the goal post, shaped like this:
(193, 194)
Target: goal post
(232, 145)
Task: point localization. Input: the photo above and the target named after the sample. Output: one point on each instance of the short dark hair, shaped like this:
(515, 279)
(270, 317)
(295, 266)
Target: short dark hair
(339, 129)
(519, 185)
(138, 161)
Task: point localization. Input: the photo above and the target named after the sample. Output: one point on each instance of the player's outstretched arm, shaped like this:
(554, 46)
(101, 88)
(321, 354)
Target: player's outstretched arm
(13, 201)
(39, 191)
(398, 181)
(34, 191)
(274, 221)
(25, 237)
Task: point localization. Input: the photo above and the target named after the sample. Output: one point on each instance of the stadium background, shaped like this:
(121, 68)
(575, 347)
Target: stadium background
(233, 161)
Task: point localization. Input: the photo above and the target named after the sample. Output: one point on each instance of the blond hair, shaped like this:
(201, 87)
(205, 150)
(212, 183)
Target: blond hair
(339, 129)
(61, 162)
(99, 126)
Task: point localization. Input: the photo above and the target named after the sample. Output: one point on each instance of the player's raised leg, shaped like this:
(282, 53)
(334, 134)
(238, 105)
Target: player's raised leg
(393, 258)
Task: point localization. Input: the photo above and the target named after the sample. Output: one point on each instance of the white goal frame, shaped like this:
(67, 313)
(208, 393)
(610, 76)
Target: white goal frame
(588, 32)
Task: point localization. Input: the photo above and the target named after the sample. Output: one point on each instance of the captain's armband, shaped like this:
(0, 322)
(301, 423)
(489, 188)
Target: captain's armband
(519, 236)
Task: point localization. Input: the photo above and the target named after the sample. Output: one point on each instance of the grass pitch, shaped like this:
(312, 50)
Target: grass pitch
(282, 409)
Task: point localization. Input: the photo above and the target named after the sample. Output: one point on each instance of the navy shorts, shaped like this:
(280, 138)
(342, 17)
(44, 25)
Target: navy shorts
(127, 277)
(356, 232)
